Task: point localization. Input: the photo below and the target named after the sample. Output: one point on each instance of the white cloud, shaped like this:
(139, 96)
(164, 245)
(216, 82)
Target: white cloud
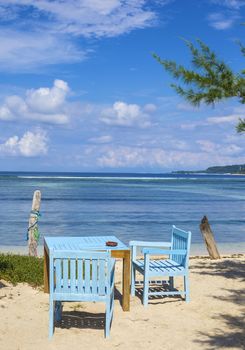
(137, 157)
(150, 108)
(117, 157)
(31, 144)
(188, 126)
(232, 4)
(178, 144)
(85, 17)
(220, 21)
(206, 146)
(231, 149)
(219, 120)
(101, 139)
(194, 125)
(46, 100)
(211, 147)
(123, 114)
(230, 14)
(120, 157)
(37, 33)
(52, 105)
(5, 113)
(27, 51)
(43, 104)
(230, 119)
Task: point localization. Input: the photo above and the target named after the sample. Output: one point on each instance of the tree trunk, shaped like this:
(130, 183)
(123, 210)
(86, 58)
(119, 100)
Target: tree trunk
(32, 228)
(209, 238)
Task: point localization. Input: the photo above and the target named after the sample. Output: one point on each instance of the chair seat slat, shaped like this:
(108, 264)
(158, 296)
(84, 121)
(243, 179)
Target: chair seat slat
(102, 276)
(58, 275)
(161, 266)
(65, 273)
(94, 276)
(87, 276)
(80, 275)
(73, 275)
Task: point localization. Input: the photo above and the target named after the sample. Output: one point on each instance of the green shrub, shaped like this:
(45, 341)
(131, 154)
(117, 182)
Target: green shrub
(21, 268)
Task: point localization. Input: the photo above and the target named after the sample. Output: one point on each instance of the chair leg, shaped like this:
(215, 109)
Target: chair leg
(109, 315)
(171, 283)
(145, 290)
(187, 289)
(58, 311)
(51, 318)
(133, 273)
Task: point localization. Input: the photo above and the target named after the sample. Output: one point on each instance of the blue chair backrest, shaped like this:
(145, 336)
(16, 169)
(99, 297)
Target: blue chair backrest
(181, 240)
(81, 272)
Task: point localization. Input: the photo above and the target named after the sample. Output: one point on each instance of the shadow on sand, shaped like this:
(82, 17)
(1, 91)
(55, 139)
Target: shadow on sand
(231, 269)
(158, 286)
(234, 337)
(81, 320)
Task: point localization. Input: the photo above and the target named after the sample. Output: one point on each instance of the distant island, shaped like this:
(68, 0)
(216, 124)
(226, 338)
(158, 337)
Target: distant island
(226, 169)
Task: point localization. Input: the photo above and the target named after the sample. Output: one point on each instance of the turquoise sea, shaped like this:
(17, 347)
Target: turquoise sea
(130, 206)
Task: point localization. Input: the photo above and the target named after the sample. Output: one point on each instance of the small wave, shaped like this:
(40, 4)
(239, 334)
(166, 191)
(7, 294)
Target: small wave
(119, 178)
(50, 177)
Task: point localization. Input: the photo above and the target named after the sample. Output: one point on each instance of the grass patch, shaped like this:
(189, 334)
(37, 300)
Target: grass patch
(21, 269)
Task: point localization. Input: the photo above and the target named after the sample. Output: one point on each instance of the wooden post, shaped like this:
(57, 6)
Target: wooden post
(125, 255)
(32, 241)
(209, 238)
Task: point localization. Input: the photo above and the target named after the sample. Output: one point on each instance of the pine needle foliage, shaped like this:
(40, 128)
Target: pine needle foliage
(211, 79)
(241, 125)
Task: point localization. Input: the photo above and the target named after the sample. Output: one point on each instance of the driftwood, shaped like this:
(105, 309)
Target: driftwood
(209, 238)
(32, 228)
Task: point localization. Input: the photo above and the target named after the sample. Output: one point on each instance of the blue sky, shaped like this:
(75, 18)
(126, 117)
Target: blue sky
(80, 90)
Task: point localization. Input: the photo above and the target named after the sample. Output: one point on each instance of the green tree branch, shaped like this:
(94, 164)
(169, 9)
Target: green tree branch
(211, 79)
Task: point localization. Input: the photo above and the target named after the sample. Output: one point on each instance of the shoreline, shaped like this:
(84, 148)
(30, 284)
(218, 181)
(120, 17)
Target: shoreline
(197, 249)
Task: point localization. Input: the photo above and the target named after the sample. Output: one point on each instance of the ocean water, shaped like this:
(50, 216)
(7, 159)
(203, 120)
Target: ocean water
(130, 206)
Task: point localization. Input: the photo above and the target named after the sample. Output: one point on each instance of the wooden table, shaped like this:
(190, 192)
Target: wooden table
(96, 243)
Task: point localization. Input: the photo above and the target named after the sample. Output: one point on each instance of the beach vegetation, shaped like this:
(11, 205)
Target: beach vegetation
(211, 79)
(21, 269)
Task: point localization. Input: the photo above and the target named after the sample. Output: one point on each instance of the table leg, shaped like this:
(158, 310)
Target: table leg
(126, 281)
(46, 271)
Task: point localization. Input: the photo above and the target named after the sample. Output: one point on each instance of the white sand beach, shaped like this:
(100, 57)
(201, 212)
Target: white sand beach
(214, 319)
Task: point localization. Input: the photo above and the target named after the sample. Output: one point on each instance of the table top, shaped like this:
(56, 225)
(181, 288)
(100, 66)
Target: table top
(80, 243)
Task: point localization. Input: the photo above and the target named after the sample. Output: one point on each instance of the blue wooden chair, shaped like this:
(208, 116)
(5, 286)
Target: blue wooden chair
(176, 264)
(81, 276)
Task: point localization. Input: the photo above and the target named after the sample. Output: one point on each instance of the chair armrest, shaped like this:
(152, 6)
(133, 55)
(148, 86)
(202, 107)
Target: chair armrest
(149, 244)
(153, 251)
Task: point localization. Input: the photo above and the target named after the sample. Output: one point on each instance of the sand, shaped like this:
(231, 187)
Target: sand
(214, 319)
